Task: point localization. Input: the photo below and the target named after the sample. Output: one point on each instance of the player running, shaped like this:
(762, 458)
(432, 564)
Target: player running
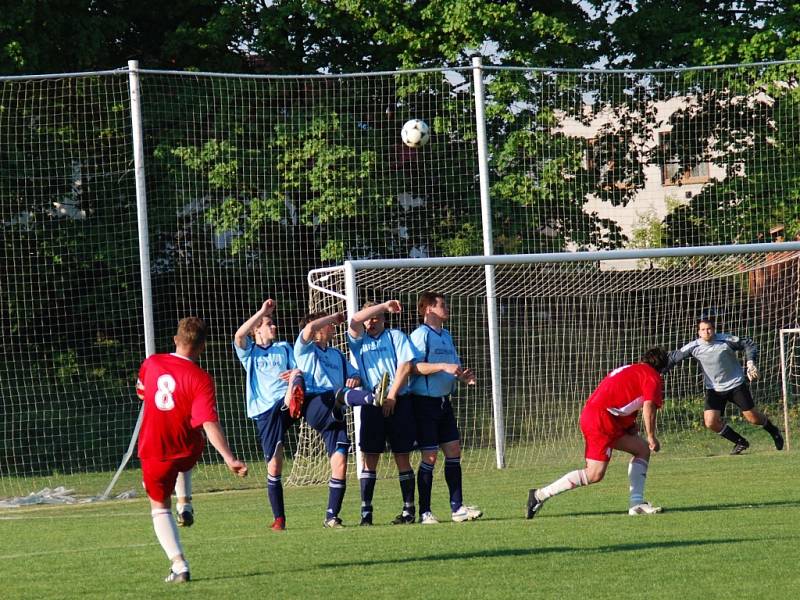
(179, 400)
(436, 375)
(724, 381)
(384, 355)
(608, 422)
(274, 395)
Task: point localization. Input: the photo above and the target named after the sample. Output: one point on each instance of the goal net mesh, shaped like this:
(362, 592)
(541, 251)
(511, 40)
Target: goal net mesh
(563, 326)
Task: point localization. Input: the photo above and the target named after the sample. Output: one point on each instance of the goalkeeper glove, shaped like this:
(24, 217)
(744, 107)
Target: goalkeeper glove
(752, 370)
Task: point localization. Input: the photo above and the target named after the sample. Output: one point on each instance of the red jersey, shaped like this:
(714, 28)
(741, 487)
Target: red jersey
(178, 398)
(623, 392)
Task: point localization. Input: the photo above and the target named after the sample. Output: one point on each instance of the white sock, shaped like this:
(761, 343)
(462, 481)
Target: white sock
(167, 532)
(183, 489)
(568, 482)
(637, 475)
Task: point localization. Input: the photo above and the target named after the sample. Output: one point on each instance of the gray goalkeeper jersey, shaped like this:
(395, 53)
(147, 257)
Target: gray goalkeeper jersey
(722, 370)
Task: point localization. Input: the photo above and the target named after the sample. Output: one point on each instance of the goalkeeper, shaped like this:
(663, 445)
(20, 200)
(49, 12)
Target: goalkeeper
(725, 381)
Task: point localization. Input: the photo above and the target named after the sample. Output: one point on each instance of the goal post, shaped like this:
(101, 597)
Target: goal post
(565, 320)
(790, 375)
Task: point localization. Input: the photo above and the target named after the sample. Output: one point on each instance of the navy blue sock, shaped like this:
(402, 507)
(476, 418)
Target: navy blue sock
(367, 481)
(275, 494)
(407, 490)
(425, 485)
(452, 474)
(354, 397)
(336, 489)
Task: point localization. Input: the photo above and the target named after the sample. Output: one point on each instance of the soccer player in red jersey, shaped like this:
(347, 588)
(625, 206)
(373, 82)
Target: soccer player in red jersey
(179, 401)
(608, 422)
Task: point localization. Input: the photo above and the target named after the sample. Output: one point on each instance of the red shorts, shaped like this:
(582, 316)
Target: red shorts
(159, 476)
(600, 432)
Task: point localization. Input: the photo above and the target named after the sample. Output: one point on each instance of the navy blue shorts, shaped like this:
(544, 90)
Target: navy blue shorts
(272, 427)
(322, 415)
(436, 422)
(399, 429)
(740, 396)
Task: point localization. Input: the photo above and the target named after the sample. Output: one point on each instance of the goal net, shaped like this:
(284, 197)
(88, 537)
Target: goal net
(790, 377)
(563, 326)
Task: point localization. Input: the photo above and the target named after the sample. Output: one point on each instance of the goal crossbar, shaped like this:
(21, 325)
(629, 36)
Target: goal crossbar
(560, 257)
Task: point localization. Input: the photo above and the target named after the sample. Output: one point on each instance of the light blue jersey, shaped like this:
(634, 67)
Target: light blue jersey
(378, 355)
(324, 370)
(434, 347)
(263, 365)
(722, 370)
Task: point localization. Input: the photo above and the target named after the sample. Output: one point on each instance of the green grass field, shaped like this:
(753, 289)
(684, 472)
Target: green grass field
(731, 528)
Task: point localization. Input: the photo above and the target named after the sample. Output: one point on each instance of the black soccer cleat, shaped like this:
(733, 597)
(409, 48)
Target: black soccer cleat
(404, 518)
(185, 518)
(534, 504)
(778, 439)
(332, 523)
(740, 447)
(366, 520)
(174, 577)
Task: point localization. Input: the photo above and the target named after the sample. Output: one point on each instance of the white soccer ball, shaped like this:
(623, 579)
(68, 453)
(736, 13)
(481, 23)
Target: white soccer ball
(415, 133)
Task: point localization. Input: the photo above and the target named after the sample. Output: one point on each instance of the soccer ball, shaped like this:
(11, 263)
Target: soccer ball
(415, 133)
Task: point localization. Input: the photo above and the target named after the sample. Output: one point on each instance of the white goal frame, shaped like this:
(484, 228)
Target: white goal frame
(351, 293)
(784, 334)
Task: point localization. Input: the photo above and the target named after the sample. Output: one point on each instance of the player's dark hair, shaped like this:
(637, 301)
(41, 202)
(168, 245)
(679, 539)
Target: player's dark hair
(311, 317)
(656, 358)
(192, 331)
(708, 321)
(427, 299)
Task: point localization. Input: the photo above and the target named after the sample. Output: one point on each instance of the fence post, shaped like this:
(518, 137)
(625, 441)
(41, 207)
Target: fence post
(144, 247)
(488, 250)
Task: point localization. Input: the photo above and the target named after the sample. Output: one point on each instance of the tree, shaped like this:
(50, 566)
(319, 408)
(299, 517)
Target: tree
(54, 36)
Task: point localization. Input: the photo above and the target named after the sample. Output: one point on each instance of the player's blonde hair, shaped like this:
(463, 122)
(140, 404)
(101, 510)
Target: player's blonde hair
(192, 332)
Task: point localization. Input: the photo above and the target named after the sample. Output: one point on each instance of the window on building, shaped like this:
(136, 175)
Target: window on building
(671, 173)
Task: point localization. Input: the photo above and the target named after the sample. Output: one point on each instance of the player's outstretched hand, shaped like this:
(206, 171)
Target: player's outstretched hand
(238, 467)
(353, 382)
(394, 306)
(654, 444)
(752, 370)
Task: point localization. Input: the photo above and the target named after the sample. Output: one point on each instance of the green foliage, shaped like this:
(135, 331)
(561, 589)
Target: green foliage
(321, 173)
(466, 241)
(84, 35)
(215, 160)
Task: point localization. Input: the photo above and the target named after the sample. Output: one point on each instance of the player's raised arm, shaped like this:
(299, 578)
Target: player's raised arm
(356, 326)
(311, 328)
(266, 310)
